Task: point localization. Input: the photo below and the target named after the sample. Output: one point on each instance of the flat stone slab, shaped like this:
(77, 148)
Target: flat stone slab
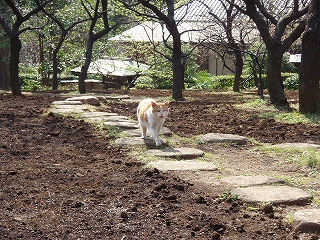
(183, 166)
(71, 107)
(138, 132)
(180, 153)
(115, 96)
(67, 103)
(222, 137)
(61, 110)
(251, 180)
(307, 220)
(97, 114)
(297, 145)
(272, 194)
(117, 118)
(86, 100)
(121, 124)
(139, 141)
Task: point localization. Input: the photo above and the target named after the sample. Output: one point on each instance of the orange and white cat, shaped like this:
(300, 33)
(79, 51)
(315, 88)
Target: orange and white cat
(151, 115)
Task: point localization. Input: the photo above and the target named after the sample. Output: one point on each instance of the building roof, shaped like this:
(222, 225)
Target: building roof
(195, 16)
(114, 67)
(155, 32)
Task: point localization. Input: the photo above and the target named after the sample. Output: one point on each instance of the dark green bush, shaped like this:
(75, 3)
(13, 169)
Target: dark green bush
(290, 81)
(30, 82)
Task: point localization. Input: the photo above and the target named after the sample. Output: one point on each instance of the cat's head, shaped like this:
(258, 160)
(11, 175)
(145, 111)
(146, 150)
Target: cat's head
(160, 110)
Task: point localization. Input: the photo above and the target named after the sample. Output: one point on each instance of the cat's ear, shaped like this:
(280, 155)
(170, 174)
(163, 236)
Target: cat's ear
(153, 103)
(167, 103)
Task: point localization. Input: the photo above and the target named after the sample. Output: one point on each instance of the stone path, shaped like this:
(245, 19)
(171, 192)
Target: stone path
(252, 189)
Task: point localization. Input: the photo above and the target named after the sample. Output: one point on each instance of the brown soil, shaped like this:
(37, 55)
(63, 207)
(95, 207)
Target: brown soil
(62, 179)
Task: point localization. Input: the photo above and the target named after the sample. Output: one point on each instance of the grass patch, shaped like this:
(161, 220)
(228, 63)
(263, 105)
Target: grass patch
(111, 131)
(139, 152)
(269, 111)
(306, 157)
(176, 141)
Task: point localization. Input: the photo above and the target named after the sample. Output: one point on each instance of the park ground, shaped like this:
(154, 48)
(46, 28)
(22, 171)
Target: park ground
(64, 178)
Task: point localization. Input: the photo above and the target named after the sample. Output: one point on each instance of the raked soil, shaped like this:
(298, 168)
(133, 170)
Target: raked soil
(64, 178)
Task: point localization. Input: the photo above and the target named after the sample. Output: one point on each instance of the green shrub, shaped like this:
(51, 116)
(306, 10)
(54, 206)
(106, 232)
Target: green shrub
(30, 82)
(144, 82)
(162, 79)
(290, 81)
(223, 82)
(30, 79)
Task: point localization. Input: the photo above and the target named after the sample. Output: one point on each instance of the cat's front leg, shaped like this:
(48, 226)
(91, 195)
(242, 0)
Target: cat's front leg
(154, 135)
(144, 132)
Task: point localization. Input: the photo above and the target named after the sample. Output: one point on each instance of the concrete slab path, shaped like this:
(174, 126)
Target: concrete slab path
(183, 165)
(139, 141)
(307, 220)
(251, 180)
(177, 153)
(272, 194)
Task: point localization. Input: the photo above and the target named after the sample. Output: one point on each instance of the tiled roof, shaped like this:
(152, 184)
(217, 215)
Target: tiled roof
(198, 10)
(195, 16)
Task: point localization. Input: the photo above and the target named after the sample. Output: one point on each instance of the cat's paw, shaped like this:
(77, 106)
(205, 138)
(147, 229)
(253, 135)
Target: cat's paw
(158, 143)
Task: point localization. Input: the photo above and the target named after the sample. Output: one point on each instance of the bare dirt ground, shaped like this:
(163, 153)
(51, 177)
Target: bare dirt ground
(61, 178)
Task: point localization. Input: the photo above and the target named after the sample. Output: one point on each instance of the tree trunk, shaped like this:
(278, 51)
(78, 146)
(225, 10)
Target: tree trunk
(14, 65)
(4, 64)
(309, 76)
(85, 66)
(178, 81)
(178, 69)
(274, 80)
(238, 71)
(55, 71)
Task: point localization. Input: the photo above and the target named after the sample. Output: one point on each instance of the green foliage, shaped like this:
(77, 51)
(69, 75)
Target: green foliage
(145, 82)
(226, 196)
(290, 81)
(197, 79)
(224, 82)
(163, 79)
(30, 79)
(255, 52)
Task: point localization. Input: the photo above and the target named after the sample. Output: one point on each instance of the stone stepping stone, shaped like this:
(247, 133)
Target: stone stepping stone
(116, 96)
(86, 100)
(273, 194)
(139, 141)
(67, 103)
(297, 145)
(222, 138)
(97, 116)
(183, 166)
(61, 110)
(120, 123)
(117, 118)
(180, 153)
(138, 132)
(71, 107)
(307, 220)
(251, 180)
